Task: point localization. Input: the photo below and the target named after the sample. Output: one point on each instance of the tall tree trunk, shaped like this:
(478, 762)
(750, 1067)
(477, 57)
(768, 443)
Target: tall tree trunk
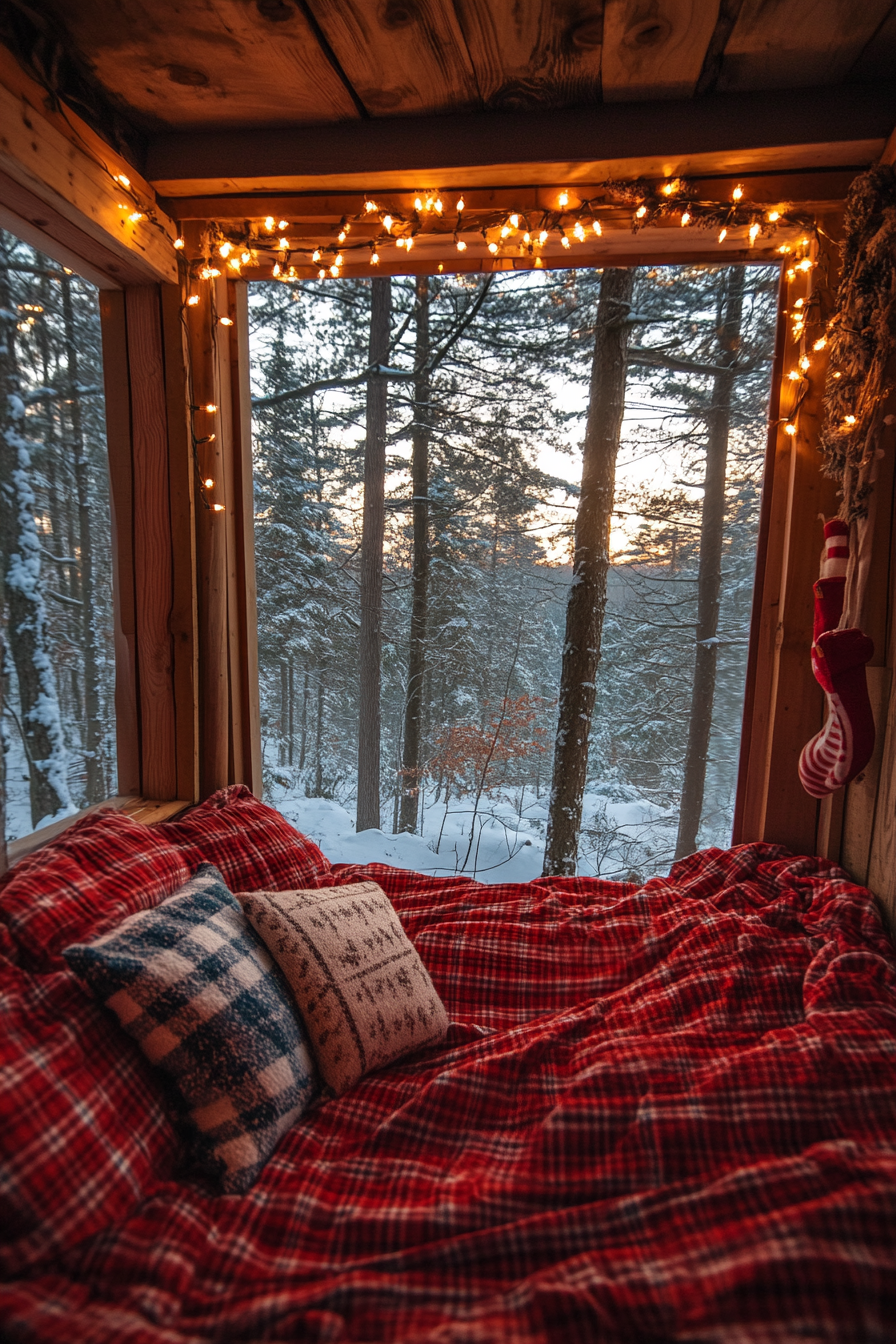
(319, 737)
(284, 711)
(93, 729)
(709, 573)
(304, 741)
(372, 533)
(591, 558)
(413, 713)
(27, 619)
(292, 714)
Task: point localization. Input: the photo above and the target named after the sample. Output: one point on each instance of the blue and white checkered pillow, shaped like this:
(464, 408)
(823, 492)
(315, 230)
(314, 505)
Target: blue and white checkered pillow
(198, 990)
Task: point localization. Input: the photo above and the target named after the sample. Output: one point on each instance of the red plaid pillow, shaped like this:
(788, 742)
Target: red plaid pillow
(98, 872)
(84, 1134)
(250, 843)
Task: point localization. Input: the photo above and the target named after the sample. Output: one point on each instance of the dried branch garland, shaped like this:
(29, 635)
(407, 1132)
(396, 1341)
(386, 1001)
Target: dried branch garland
(862, 339)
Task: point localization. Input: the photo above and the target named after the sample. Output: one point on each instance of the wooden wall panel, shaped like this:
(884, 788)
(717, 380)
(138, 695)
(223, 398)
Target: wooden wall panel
(784, 703)
(181, 496)
(211, 551)
(153, 563)
(244, 533)
(121, 500)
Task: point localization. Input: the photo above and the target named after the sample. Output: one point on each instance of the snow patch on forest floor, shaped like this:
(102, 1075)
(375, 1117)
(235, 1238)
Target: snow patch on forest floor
(623, 835)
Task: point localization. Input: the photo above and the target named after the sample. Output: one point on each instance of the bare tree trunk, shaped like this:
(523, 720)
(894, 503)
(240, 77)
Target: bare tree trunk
(292, 713)
(372, 533)
(709, 573)
(319, 737)
(304, 740)
(27, 619)
(588, 594)
(284, 711)
(93, 729)
(413, 713)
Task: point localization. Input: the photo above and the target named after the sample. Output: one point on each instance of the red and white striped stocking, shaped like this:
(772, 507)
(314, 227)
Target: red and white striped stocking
(844, 745)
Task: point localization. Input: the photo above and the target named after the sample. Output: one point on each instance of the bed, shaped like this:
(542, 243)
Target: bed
(660, 1113)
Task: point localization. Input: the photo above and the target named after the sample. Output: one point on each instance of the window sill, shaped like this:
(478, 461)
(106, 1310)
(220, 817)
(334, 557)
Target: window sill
(146, 810)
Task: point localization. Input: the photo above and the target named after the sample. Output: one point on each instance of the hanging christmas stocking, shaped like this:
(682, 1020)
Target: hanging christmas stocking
(843, 747)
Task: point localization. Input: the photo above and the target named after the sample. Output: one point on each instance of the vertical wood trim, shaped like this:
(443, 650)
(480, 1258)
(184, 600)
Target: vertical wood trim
(152, 541)
(184, 623)
(786, 701)
(211, 560)
(121, 499)
(228, 418)
(244, 527)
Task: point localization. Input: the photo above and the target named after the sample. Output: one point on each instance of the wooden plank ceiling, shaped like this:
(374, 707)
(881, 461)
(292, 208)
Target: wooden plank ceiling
(242, 63)
(286, 104)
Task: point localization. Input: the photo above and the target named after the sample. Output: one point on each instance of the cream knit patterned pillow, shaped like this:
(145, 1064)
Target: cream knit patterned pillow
(363, 991)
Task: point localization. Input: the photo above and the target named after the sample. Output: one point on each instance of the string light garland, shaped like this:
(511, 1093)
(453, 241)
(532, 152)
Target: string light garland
(515, 232)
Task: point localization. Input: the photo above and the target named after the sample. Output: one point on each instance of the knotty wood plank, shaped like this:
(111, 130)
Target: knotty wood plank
(153, 568)
(655, 48)
(862, 795)
(211, 558)
(121, 503)
(219, 62)
(227, 398)
(244, 533)
(401, 56)
(50, 175)
(719, 133)
(184, 620)
(875, 618)
(798, 42)
(529, 56)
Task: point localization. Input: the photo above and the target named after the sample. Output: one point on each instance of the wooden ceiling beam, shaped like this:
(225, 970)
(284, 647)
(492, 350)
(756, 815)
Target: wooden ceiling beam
(842, 126)
(308, 210)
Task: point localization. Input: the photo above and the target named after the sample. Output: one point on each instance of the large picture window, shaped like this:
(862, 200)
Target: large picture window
(56, 618)
(488, 386)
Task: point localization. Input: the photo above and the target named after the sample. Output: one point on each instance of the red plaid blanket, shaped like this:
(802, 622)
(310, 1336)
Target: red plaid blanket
(660, 1114)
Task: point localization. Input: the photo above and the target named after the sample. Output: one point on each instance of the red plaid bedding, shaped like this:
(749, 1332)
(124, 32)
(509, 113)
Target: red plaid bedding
(660, 1114)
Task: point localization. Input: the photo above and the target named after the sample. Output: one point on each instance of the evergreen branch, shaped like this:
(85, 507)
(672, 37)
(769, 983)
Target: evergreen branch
(323, 384)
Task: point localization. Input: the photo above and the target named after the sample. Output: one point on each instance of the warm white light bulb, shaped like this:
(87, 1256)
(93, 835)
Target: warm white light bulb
(563, 199)
(737, 193)
(269, 223)
(595, 224)
(418, 204)
(641, 212)
(461, 245)
(460, 205)
(179, 243)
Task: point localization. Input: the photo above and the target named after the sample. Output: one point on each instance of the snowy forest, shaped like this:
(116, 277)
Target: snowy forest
(57, 727)
(484, 386)
(420, 691)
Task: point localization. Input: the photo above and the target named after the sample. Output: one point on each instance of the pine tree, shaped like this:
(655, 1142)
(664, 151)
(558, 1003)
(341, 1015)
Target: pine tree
(591, 559)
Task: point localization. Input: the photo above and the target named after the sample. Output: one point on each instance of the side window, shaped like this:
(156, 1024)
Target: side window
(56, 617)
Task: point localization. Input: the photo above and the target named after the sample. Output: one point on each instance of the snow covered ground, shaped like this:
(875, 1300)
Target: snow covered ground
(623, 835)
